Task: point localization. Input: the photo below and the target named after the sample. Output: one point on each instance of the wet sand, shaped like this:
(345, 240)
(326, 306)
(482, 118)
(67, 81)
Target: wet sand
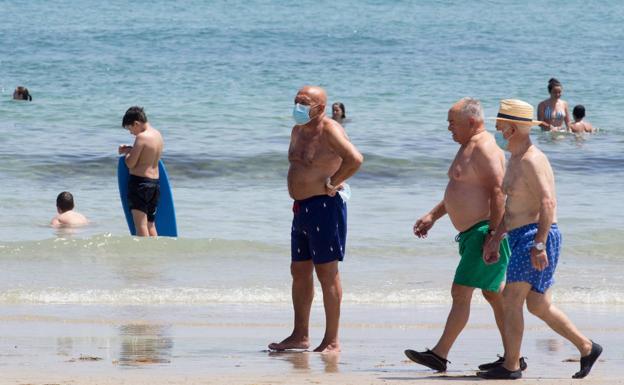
(60, 345)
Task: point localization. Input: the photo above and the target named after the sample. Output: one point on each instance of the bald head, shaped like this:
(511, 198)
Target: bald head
(315, 97)
(316, 94)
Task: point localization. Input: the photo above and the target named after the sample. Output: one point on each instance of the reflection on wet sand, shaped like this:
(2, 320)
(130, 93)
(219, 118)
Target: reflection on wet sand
(143, 344)
(549, 345)
(300, 360)
(64, 346)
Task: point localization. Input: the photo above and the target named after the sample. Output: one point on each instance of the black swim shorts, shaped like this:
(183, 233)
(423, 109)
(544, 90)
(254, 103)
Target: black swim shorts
(143, 195)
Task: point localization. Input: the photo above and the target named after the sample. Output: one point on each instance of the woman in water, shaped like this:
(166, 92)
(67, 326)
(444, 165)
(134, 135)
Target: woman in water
(580, 126)
(338, 112)
(553, 112)
(21, 93)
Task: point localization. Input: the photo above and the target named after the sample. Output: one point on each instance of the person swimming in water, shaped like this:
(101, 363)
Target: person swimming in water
(553, 112)
(21, 93)
(66, 216)
(580, 126)
(338, 112)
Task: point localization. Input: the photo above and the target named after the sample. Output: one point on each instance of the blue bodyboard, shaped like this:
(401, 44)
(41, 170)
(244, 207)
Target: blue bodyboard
(165, 213)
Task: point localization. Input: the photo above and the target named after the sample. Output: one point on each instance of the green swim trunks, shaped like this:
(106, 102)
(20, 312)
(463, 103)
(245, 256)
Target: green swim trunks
(472, 271)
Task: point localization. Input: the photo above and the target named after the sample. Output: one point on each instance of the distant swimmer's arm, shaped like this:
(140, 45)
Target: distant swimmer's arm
(352, 159)
(567, 118)
(540, 116)
(132, 157)
(56, 222)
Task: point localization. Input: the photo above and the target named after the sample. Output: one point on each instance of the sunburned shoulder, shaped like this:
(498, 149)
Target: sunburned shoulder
(332, 127)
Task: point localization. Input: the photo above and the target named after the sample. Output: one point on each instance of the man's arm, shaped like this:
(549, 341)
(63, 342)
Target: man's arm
(538, 179)
(132, 157)
(352, 159)
(490, 169)
(539, 183)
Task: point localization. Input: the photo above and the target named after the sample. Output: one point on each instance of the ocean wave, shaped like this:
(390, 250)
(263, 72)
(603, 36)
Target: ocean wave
(269, 165)
(205, 296)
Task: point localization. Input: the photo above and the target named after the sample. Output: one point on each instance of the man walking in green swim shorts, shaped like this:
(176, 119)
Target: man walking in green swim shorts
(475, 203)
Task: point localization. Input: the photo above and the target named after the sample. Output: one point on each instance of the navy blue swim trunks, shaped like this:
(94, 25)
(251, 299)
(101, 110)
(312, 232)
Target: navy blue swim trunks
(520, 269)
(319, 229)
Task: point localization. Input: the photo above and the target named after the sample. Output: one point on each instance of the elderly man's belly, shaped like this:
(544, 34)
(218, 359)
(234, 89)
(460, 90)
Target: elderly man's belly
(305, 182)
(466, 205)
(518, 214)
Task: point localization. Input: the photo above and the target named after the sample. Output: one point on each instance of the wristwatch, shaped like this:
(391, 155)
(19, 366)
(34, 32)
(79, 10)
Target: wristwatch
(539, 246)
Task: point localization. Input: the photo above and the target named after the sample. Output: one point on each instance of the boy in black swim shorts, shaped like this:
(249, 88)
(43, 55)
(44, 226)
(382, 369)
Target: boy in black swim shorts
(142, 161)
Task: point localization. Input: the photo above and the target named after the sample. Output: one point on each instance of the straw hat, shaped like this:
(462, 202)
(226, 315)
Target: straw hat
(516, 111)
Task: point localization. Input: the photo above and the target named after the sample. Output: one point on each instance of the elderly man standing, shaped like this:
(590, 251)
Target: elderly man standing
(321, 158)
(474, 202)
(535, 241)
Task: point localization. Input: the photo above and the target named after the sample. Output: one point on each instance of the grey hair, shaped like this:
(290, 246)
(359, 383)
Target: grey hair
(472, 107)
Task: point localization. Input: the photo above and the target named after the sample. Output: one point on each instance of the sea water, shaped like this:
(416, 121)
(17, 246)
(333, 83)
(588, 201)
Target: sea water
(218, 80)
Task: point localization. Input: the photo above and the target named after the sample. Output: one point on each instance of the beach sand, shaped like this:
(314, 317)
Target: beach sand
(227, 345)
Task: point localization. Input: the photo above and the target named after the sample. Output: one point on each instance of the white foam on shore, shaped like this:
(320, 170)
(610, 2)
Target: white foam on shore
(199, 296)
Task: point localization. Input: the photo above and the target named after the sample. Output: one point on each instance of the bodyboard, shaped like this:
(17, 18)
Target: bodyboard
(165, 213)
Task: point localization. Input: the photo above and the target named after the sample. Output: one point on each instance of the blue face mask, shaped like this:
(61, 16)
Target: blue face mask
(500, 140)
(301, 114)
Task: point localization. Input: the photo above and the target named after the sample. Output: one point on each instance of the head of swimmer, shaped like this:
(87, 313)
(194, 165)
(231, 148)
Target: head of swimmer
(465, 119)
(64, 202)
(555, 89)
(21, 93)
(314, 97)
(338, 111)
(134, 120)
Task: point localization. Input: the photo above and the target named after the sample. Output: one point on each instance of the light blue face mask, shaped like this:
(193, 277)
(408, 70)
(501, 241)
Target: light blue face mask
(500, 140)
(301, 114)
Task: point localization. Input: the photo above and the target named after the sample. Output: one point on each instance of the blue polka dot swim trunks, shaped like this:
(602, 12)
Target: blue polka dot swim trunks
(319, 229)
(520, 268)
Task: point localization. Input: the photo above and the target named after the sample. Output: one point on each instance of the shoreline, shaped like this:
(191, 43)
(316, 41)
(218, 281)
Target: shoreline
(142, 346)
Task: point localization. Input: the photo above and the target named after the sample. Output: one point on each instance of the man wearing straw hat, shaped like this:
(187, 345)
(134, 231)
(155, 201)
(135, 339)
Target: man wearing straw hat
(475, 203)
(530, 223)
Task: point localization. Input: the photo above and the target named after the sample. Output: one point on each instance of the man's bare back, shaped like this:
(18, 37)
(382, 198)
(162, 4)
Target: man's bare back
(523, 203)
(145, 153)
(69, 219)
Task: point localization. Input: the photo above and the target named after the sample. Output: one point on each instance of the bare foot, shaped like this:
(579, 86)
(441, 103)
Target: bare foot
(291, 342)
(328, 347)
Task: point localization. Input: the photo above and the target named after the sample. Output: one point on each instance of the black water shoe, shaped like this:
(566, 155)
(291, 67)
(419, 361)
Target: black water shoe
(428, 359)
(499, 362)
(588, 361)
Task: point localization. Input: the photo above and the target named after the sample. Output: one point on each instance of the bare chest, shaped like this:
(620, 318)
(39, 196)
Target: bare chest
(512, 182)
(308, 149)
(462, 169)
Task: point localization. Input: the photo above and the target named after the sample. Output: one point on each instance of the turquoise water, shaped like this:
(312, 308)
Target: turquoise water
(218, 79)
